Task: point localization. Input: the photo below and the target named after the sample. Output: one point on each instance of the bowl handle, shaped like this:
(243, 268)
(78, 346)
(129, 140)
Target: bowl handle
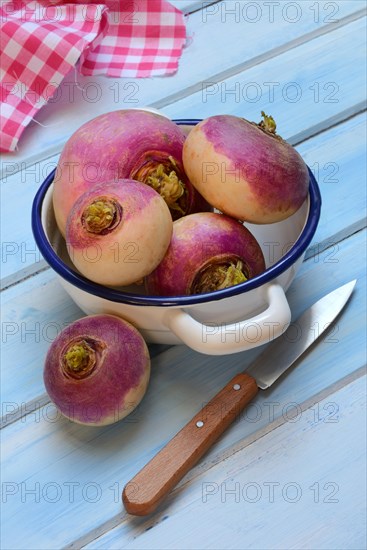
(222, 338)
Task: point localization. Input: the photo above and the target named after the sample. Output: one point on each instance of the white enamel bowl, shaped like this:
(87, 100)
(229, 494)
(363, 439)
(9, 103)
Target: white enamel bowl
(222, 322)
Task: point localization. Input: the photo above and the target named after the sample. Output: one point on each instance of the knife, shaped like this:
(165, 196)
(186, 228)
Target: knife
(145, 492)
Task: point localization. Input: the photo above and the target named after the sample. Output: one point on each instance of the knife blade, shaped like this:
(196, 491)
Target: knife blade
(145, 492)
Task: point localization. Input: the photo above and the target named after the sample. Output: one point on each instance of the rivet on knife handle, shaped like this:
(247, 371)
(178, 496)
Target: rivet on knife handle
(143, 494)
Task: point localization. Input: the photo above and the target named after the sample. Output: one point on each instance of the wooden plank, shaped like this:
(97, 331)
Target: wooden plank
(236, 40)
(328, 123)
(43, 449)
(343, 208)
(25, 272)
(252, 497)
(289, 85)
(341, 177)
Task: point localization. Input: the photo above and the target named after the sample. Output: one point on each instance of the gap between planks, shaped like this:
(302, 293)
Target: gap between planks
(312, 132)
(328, 123)
(318, 248)
(205, 466)
(228, 73)
(201, 5)
(23, 275)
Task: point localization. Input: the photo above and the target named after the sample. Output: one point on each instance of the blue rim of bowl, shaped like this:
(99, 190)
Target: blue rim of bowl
(113, 295)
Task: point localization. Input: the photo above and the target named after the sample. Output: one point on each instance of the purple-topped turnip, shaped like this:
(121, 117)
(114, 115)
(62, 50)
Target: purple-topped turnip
(125, 144)
(244, 169)
(208, 252)
(118, 232)
(97, 370)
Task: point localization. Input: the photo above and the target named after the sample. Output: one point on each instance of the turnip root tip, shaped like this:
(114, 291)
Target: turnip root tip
(163, 175)
(79, 359)
(101, 216)
(219, 274)
(268, 124)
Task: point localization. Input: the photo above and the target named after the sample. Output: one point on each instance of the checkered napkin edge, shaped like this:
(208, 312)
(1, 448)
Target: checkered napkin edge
(41, 42)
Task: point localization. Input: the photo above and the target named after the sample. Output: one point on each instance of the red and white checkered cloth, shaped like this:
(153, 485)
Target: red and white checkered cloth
(42, 41)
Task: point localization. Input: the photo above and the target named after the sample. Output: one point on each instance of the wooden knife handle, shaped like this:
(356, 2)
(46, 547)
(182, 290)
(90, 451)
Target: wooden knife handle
(143, 494)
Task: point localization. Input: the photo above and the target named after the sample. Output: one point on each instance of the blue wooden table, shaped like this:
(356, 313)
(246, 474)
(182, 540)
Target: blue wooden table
(274, 480)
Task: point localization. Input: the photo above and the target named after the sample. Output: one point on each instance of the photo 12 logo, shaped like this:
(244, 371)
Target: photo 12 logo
(269, 492)
(68, 12)
(71, 91)
(240, 11)
(269, 91)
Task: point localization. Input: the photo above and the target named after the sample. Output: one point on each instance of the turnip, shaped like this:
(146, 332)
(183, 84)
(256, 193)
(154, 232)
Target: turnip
(118, 232)
(208, 252)
(244, 169)
(125, 144)
(97, 370)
